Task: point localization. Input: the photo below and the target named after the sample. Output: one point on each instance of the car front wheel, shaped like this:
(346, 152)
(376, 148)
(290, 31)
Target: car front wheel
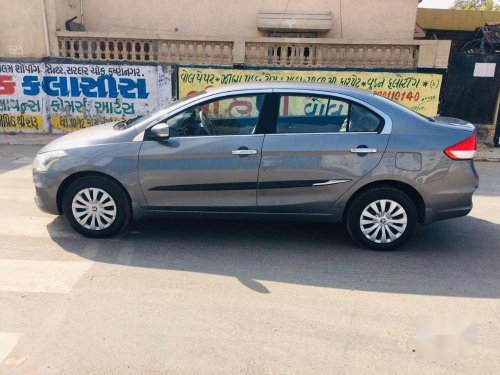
(96, 206)
(381, 218)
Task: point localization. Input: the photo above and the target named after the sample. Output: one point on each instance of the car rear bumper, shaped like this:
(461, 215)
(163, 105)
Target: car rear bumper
(431, 216)
(451, 196)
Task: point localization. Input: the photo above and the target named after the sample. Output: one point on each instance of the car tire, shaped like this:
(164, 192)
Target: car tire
(381, 218)
(96, 207)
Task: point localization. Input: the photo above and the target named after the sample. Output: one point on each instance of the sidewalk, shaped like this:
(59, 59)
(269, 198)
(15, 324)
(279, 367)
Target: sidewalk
(484, 152)
(27, 139)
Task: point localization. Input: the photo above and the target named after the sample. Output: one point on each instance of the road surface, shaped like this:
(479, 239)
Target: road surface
(233, 297)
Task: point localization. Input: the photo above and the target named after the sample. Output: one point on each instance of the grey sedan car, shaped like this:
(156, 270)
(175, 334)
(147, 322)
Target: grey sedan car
(274, 150)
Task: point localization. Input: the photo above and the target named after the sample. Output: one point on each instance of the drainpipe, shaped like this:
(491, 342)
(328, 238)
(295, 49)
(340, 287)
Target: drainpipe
(45, 27)
(81, 12)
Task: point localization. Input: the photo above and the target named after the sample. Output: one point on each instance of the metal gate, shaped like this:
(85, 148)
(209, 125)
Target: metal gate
(471, 92)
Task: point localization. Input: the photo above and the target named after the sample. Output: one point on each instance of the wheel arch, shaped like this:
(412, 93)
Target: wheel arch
(75, 176)
(409, 190)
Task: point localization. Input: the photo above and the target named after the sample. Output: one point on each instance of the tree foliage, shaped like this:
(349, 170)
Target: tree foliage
(476, 5)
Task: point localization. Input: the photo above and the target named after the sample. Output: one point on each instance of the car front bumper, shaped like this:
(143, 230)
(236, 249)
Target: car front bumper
(46, 192)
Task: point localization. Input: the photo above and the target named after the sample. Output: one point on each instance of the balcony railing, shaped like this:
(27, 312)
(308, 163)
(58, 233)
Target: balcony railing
(173, 51)
(195, 52)
(272, 52)
(327, 55)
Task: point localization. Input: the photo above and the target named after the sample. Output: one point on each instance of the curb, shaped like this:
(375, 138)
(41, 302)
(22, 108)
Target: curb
(491, 160)
(22, 144)
(25, 140)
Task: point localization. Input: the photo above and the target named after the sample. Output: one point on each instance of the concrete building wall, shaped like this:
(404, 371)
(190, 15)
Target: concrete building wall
(352, 19)
(22, 30)
(378, 19)
(21, 33)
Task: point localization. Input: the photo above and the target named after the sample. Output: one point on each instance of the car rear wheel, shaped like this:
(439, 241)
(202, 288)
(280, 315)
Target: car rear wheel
(96, 207)
(381, 218)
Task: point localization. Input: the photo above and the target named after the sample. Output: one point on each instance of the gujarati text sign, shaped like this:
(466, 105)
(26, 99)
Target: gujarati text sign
(417, 91)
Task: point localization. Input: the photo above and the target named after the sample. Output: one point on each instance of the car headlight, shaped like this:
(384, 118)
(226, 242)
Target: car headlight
(45, 160)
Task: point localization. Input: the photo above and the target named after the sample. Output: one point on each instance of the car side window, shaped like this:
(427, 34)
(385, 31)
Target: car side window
(237, 115)
(361, 119)
(323, 114)
(311, 114)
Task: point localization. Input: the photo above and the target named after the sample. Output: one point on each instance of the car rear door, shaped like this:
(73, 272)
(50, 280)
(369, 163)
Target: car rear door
(321, 146)
(206, 166)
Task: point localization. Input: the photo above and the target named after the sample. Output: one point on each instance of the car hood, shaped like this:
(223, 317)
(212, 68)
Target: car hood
(98, 134)
(454, 122)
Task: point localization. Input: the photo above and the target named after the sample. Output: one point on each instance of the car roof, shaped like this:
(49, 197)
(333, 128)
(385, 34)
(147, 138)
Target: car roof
(330, 88)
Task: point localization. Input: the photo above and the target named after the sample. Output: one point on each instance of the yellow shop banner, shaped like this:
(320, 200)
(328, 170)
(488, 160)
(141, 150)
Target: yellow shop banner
(417, 91)
(28, 122)
(77, 122)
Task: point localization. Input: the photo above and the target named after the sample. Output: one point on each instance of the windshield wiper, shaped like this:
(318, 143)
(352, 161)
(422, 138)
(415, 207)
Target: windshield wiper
(123, 124)
(130, 120)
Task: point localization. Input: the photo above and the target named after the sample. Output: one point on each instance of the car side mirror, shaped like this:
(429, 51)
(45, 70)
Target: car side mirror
(160, 131)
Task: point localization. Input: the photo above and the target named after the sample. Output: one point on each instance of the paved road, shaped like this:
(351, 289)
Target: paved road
(229, 297)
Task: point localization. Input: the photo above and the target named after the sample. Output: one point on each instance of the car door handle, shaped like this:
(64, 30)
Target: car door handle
(244, 152)
(363, 150)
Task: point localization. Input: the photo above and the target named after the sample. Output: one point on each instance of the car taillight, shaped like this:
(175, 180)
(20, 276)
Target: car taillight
(463, 150)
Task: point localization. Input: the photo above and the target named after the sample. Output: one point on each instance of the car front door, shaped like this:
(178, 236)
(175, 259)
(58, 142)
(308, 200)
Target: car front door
(321, 146)
(210, 160)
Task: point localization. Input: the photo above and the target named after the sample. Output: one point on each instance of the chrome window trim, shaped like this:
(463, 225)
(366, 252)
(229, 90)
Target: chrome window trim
(387, 129)
(323, 133)
(140, 137)
(218, 136)
(387, 120)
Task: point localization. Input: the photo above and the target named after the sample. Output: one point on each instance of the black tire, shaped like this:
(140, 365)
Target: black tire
(117, 193)
(363, 200)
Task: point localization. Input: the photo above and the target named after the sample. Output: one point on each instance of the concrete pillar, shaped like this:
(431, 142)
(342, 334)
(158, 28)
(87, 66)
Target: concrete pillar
(239, 52)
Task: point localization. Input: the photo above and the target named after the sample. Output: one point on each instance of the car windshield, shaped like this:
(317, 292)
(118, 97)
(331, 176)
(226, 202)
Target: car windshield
(151, 116)
(406, 108)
